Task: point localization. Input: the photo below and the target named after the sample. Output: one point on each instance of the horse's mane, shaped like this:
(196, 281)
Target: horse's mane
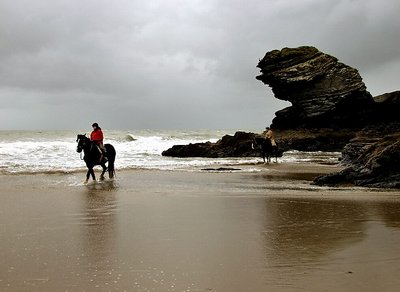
(81, 136)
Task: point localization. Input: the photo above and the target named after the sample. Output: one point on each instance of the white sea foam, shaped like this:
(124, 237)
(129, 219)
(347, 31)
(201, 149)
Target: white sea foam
(31, 152)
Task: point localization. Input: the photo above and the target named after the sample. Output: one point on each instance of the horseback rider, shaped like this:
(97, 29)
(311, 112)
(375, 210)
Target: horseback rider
(267, 134)
(97, 138)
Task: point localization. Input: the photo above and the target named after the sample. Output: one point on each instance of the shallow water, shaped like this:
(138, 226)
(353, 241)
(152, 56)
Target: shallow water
(196, 231)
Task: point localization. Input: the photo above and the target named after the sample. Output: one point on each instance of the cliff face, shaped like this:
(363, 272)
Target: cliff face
(323, 91)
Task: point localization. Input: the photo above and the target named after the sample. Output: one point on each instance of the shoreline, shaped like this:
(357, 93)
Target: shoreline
(281, 179)
(198, 231)
(240, 167)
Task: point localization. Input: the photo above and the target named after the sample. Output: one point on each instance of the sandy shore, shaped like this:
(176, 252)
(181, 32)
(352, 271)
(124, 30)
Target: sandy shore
(197, 231)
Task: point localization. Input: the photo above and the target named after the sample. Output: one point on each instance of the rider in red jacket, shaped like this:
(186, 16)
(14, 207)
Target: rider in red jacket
(97, 137)
(97, 134)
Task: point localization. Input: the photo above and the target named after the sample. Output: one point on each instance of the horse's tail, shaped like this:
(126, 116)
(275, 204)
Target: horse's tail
(111, 153)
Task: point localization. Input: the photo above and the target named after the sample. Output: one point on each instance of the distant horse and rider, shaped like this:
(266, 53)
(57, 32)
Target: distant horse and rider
(95, 153)
(267, 145)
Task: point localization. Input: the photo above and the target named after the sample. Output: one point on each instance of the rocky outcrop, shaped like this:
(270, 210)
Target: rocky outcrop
(374, 161)
(322, 139)
(238, 145)
(373, 155)
(323, 92)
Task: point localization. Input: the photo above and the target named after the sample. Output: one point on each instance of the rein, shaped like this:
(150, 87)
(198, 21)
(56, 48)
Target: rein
(83, 146)
(83, 150)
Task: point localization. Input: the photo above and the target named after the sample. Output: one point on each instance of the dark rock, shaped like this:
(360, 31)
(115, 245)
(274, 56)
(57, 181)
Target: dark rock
(221, 169)
(323, 91)
(323, 139)
(387, 108)
(365, 138)
(376, 163)
(191, 150)
(239, 145)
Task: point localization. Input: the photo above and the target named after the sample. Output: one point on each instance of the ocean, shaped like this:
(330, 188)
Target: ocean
(24, 152)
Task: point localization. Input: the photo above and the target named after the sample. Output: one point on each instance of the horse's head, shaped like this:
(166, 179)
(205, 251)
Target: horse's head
(82, 141)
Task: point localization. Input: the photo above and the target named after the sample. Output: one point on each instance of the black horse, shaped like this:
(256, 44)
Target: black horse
(92, 157)
(266, 148)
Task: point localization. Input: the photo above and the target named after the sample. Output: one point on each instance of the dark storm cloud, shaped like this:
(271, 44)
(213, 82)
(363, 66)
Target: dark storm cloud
(169, 64)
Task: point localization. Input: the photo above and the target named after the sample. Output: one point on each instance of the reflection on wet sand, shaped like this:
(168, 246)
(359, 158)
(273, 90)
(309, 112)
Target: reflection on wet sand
(307, 229)
(98, 232)
(315, 244)
(171, 231)
(390, 212)
(105, 185)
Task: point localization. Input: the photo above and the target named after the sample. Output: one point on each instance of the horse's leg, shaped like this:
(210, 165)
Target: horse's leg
(87, 176)
(93, 175)
(103, 172)
(267, 155)
(90, 172)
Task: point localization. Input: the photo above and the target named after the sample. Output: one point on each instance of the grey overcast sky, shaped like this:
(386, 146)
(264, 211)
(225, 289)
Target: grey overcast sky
(168, 64)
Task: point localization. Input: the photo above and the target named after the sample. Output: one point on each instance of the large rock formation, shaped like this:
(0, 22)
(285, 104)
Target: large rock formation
(323, 91)
(328, 94)
(330, 108)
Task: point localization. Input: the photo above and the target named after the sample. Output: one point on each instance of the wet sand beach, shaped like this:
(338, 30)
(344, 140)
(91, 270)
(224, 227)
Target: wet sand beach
(154, 230)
